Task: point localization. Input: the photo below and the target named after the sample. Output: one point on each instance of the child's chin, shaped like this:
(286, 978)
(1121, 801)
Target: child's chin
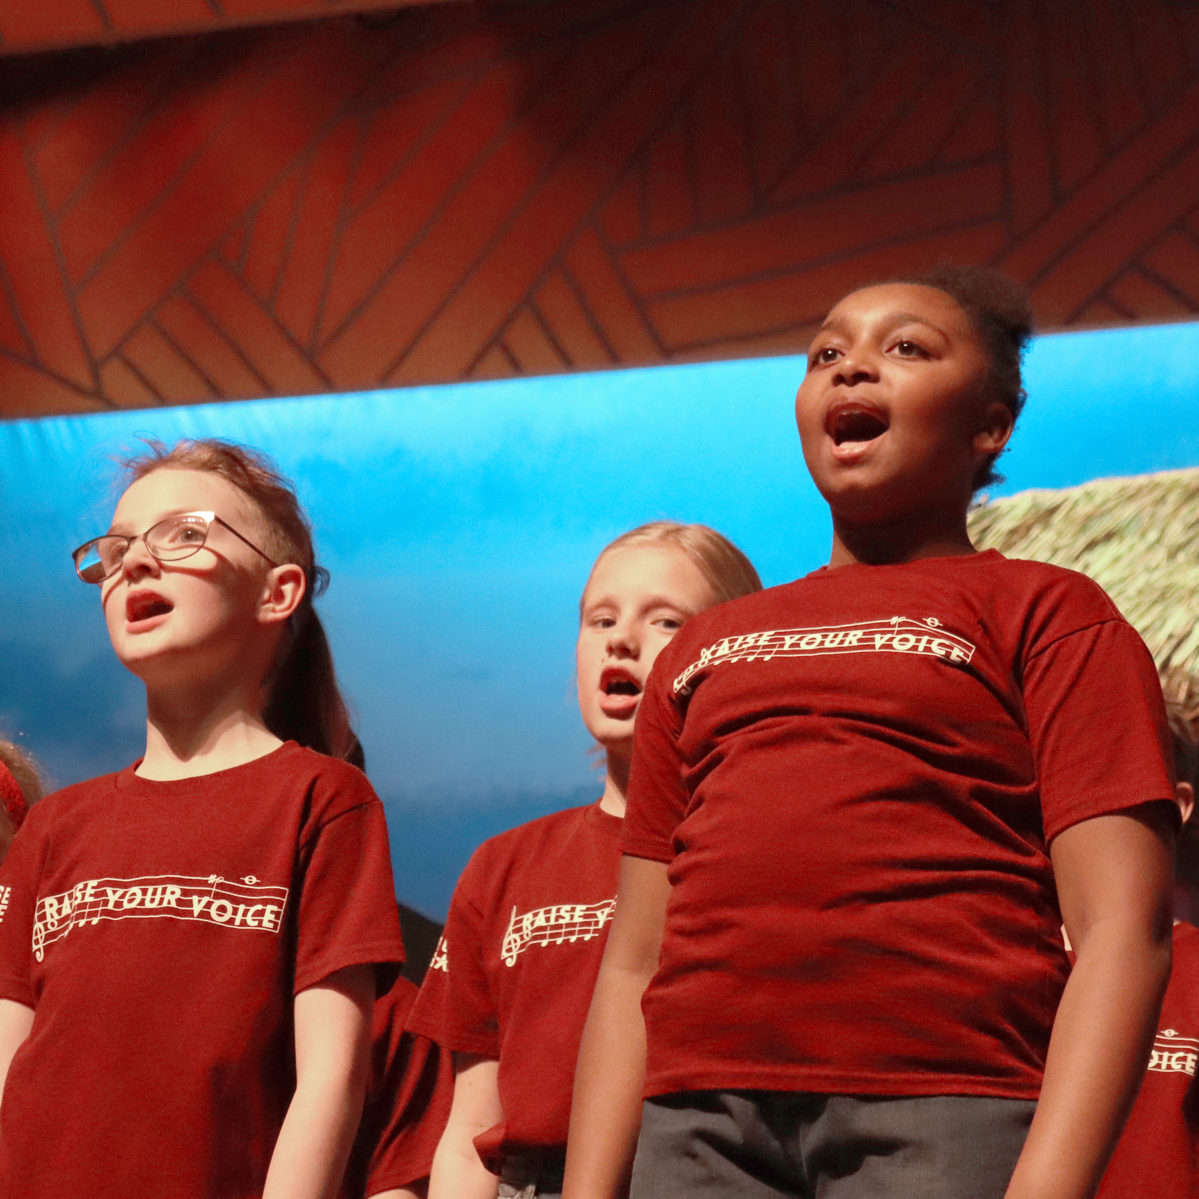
(858, 498)
(616, 735)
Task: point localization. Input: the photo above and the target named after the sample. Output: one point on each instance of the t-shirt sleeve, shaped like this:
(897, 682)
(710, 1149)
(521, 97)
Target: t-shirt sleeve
(1097, 725)
(347, 907)
(456, 1006)
(417, 1092)
(408, 1103)
(19, 876)
(657, 796)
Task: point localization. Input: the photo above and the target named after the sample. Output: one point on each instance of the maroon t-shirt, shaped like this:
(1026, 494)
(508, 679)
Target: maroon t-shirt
(854, 779)
(513, 975)
(160, 931)
(1158, 1152)
(412, 1084)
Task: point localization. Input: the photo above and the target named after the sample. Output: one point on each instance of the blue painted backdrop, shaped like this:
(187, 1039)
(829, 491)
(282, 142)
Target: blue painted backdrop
(459, 524)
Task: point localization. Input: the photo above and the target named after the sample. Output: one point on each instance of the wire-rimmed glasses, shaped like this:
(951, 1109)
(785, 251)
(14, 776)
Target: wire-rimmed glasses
(170, 540)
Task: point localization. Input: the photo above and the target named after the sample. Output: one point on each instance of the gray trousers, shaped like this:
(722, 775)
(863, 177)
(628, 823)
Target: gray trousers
(534, 1174)
(775, 1144)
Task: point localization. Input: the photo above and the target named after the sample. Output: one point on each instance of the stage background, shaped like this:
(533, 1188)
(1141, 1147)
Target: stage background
(478, 190)
(459, 524)
(203, 204)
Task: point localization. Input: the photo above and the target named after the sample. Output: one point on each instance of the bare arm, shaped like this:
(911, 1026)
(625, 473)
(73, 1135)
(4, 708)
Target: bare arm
(15, 1022)
(458, 1172)
(332, 1032)
(418, 1190)
(1113, 878)
(606, 1112)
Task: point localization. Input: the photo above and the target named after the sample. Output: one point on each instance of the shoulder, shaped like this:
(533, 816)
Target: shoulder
(101, 785)
(528, 837)
(74, 797)
(1041, 604)
(507, 859)
(331, 787)
(300, 762)
(1046, 581)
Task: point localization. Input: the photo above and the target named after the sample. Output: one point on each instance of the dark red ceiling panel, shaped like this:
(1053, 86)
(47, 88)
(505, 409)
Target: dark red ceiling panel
(462, 192)
(28, 26)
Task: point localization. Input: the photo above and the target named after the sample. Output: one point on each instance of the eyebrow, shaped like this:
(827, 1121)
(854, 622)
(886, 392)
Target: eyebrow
(891, 320)
(116, 530)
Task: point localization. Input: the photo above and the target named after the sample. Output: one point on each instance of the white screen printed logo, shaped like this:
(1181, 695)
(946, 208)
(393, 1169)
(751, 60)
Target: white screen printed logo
(896, 635)
(243, 904)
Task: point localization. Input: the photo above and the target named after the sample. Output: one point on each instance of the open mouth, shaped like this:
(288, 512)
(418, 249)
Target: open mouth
(144, 605)
(615, 681)
(852, 423)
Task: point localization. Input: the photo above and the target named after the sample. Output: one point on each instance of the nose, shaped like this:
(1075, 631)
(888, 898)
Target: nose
(623, 641)
(855, 366)
(138, 561)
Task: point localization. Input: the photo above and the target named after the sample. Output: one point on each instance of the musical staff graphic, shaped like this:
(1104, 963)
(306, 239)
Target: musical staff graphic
(896, 634)
(1173, 1053)
(212, 900)
(554, 925)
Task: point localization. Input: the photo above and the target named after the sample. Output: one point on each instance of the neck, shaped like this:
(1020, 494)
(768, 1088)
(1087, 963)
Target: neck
(898, 541)
(616, 780)
(192, 732)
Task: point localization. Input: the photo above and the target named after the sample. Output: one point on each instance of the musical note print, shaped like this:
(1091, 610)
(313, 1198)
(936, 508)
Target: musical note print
(896, 635)
(554, 925)
(212, 900)
(1173, 1053)
(441, 956)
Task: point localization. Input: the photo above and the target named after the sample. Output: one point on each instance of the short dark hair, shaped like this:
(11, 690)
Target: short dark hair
(1001, 313)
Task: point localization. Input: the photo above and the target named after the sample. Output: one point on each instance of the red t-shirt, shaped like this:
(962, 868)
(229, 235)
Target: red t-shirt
(160, 930)
(412, 1084)
(854, 779)
(1158, 1153)
(513, 976)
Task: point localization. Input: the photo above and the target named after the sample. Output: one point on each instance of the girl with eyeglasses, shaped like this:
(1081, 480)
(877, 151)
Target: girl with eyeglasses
(509, 985)
(190, 947)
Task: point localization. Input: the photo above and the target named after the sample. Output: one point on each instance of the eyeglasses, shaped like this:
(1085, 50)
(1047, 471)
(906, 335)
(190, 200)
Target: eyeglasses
(170, 540)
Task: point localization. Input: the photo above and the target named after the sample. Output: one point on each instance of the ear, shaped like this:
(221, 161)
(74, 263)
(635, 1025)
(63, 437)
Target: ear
(1184, 796)
(282, 592)
(995, 429)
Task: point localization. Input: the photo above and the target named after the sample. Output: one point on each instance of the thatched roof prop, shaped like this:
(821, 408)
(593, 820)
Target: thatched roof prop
(1138, 538)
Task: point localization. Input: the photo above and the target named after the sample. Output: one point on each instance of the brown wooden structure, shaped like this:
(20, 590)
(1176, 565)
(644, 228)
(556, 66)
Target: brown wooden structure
(338, 196)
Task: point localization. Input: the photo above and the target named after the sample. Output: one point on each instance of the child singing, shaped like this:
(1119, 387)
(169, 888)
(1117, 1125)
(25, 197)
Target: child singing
(509, 987)
(860, 806)
(189, 952)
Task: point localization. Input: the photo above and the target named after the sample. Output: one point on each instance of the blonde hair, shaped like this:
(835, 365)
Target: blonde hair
(728, 571)
(304, 702)
(1181, 689)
